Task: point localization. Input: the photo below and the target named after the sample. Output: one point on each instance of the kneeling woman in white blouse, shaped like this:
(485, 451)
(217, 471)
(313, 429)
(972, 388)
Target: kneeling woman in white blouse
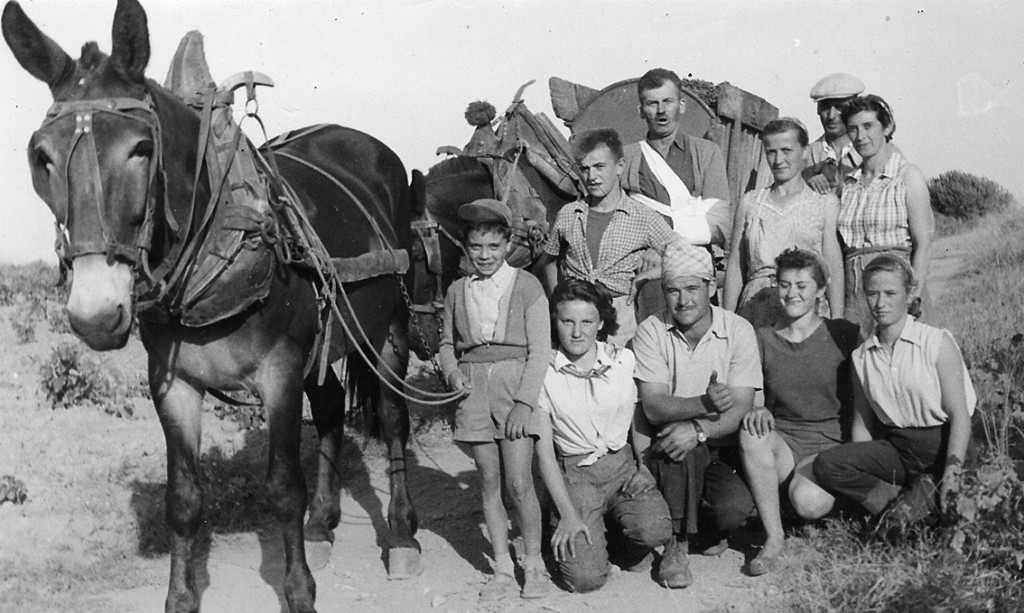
(911, 380)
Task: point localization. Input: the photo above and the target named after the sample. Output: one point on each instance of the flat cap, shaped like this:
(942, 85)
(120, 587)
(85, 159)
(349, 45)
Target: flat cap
(838, 85)
(486, 210)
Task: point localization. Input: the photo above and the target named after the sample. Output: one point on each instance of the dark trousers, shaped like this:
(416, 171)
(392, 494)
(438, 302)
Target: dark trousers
(642, 522)
(873, 473)
(704, 488)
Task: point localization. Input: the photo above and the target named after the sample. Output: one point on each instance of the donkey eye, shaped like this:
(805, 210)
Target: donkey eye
(143, 149)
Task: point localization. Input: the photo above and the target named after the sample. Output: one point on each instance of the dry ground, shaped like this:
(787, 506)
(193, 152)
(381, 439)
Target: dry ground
(91, 535)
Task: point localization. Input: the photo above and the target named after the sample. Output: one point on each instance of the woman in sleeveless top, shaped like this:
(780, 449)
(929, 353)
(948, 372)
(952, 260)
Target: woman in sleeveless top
(912, 383)
(768, 220)
(885, 206)
(806, 361)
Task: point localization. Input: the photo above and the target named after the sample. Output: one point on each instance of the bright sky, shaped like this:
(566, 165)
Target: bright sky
(404, 71)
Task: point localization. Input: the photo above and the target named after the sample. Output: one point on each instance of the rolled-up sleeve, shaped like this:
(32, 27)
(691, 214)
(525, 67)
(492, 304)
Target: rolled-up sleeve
(744, 357)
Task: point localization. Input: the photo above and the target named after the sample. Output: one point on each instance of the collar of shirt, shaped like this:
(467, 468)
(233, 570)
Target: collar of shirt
(890, 169)
(848, 150)
(583, 207)
(679, 142)
(911, 333)
(717, 325)
(501, 277)
(607, 355)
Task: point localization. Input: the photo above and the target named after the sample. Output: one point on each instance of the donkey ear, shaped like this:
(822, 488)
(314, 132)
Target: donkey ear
(40, 56)
(130, 36)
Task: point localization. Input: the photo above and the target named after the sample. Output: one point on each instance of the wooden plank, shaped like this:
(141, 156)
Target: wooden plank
(744, 107)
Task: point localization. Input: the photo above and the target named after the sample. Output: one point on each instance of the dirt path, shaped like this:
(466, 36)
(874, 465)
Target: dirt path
(245, 570)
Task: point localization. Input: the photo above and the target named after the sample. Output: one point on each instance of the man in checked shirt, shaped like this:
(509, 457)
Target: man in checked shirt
(602, 238)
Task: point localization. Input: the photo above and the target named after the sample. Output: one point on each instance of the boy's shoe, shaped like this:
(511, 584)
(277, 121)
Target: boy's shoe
(536, 583)
(674, 571)
(715, 548)
(500, 584)
(764, 563)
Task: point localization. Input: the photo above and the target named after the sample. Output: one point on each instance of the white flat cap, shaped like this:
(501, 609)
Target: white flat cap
(838, 85)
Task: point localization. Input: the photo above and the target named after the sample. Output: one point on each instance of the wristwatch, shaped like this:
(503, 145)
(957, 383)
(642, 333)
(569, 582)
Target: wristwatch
(702, 436)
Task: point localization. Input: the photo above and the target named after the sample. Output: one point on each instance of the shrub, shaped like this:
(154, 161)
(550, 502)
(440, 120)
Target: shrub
(12, 490)
(28, 312)
(36, 280)
(70, 378)
(961, 195)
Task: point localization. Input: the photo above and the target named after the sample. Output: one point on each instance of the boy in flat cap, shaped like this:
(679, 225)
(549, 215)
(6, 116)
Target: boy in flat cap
(697, 368)
(496, 346)
(832, 156)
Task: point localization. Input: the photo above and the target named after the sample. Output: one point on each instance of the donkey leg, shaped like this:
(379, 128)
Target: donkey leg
(403, 549)
(329, 418)
(286, 487)
(178, 406)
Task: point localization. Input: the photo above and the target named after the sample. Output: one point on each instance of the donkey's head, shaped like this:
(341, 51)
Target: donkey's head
(96, 163)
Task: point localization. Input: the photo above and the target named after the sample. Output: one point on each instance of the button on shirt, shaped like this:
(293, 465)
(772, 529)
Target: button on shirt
(729, 347)
(591, 411)
(903, 389)
(484, 296)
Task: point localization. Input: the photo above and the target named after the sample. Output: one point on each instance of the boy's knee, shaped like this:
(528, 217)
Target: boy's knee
(521, 488)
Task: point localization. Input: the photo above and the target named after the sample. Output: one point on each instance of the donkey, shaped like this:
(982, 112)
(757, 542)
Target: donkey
(118, 164)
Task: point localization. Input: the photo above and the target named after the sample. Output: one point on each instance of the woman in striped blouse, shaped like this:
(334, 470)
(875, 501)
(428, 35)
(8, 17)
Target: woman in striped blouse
(885, 206)
(786, 215)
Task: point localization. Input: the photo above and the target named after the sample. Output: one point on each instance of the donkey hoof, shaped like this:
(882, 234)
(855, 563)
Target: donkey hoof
(318, 554)
(404, 563)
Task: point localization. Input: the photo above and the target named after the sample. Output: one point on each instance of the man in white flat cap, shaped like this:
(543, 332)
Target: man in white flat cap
(832, 156)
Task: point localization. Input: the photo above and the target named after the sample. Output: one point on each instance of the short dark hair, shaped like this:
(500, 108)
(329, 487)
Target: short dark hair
(795, 258)
(585, 291)
(891, 263)
(655, 78)
(787, 124)
(585, 142)
(486, 226)
(873, 104)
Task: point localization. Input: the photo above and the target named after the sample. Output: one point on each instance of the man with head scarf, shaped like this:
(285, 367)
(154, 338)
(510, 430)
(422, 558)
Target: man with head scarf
(697, 368)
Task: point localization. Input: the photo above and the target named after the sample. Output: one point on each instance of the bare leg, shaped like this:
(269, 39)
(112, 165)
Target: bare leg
(488, 462)
(326, 404)
(518, 455)
(178, 406)
(286, 486)
(768, 461)
(809, 499)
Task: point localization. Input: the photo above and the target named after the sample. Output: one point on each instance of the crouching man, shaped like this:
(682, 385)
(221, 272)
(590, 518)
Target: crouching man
(697, 367)
(585, 457)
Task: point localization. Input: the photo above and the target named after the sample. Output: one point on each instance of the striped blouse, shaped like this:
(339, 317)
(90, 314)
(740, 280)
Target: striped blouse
(875, 214)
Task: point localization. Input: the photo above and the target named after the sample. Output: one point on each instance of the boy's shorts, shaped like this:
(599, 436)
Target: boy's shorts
(481, 416)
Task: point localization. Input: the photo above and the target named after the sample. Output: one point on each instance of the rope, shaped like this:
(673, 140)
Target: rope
(332, 287)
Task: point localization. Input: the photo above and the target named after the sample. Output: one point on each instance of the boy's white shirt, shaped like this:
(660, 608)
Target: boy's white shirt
(483, 295)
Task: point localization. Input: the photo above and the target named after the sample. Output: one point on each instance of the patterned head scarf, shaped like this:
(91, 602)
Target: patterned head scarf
(683, 260)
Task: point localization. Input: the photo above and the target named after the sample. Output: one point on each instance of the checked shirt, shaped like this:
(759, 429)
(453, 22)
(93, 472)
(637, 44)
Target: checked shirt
(633, 229)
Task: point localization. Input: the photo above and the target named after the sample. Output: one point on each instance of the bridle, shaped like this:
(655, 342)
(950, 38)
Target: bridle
(84, 111)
